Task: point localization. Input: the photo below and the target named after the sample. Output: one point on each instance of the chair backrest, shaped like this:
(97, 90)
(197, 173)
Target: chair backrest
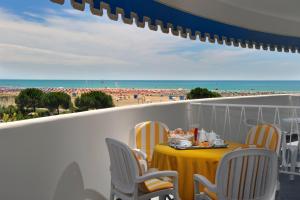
(265, 136)
(248, 174)
(148, 134)
(123, 166)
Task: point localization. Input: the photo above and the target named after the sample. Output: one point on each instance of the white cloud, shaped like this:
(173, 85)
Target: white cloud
(30, 55)
(30, 14)
(81, 46)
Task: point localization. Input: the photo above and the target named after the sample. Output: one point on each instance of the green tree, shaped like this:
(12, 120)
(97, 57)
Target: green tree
(199, 93)
(29, 98)
(10, 113)
(55, 100)
(11, 109)
(2, 112)
(94, 100)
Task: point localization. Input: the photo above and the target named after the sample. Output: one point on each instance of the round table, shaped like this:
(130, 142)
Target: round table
(190, 162)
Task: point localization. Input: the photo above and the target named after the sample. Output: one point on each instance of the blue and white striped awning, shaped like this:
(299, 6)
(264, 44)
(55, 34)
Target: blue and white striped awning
(262, 24)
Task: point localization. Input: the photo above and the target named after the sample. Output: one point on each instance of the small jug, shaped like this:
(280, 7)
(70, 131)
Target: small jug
(211, 137)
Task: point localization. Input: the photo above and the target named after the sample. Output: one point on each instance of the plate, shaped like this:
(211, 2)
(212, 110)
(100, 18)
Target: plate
(220, 146)
(199, 147)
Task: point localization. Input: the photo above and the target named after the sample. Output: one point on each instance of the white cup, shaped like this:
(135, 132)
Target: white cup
(219, 142)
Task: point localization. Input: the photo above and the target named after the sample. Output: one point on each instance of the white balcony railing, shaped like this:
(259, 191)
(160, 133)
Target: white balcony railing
(51, 157)
(233, 121)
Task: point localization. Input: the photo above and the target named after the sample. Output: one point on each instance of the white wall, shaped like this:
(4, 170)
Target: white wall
(35, 153)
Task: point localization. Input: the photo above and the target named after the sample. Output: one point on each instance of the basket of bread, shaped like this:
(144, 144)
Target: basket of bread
(180, 138)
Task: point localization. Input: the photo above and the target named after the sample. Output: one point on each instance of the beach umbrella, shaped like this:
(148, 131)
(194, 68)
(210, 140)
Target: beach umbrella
(261, 24)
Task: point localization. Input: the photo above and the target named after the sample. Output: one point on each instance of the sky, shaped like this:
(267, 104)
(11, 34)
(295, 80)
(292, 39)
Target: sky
(43, 40)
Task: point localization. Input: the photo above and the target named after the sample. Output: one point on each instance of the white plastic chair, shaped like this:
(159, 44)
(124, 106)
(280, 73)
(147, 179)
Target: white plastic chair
(147, 135)
(291, 147)
(156, 131)
(247, 174)
(126, 179)
(266, 136)
(290, 155)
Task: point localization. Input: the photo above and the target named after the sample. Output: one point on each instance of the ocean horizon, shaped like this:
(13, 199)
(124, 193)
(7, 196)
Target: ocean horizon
(221, 85)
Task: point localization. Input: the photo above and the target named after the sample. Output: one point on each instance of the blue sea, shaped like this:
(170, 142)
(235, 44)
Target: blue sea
(221, 85)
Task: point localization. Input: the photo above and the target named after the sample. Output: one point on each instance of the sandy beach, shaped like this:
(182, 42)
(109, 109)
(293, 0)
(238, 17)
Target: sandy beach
(123, 96)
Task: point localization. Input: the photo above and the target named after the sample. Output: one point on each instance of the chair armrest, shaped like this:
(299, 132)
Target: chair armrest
(252, 146)
(205, 182)
(156, 174)
(140, 153)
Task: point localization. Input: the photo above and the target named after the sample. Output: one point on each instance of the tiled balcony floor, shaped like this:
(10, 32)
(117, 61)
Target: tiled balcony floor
(289, 190)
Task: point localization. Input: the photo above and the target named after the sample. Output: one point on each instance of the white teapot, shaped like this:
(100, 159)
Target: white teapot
(211, 137)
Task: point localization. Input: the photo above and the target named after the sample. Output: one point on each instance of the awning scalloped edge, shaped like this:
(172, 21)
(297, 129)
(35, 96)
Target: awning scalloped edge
(130, 17)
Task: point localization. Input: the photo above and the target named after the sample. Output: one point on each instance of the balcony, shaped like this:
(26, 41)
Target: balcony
(50, 157)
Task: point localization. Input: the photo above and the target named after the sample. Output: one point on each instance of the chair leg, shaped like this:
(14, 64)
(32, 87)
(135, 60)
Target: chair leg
(168, 197)
(277, 195)
(176, 196)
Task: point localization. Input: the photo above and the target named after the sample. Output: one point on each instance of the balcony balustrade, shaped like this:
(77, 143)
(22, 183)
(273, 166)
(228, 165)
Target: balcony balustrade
(35, 154)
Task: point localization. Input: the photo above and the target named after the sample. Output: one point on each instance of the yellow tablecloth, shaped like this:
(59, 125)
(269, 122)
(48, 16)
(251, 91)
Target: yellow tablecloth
(189, 162)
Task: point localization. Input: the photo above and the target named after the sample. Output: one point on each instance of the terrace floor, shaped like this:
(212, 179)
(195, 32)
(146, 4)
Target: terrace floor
(289, 190)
